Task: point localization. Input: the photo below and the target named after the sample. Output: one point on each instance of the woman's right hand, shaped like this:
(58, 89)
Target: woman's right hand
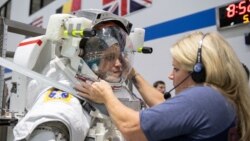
(97, 92)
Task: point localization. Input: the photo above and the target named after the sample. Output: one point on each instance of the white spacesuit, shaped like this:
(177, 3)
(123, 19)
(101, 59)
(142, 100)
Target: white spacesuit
(84, 46)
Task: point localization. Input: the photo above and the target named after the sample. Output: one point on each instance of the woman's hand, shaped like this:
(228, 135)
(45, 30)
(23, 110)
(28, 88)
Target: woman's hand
(97, 92)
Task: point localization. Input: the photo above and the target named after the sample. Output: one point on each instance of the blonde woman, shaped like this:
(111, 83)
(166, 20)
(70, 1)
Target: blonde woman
(211, 103)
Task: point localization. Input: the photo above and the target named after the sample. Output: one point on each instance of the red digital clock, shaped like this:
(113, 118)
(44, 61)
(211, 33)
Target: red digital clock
(233, 14)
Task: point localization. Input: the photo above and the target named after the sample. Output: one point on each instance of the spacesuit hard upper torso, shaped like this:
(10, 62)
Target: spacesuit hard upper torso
(56, 115)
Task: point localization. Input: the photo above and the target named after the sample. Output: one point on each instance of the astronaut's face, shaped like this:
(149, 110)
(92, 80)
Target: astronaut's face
(111, 64)
(110, 53)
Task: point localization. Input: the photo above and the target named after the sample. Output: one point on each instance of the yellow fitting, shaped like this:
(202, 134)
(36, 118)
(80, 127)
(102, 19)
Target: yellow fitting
(139, 50)
(77, 32)
(65, 33)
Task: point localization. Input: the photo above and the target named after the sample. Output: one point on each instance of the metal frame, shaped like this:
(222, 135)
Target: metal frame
(6, 26)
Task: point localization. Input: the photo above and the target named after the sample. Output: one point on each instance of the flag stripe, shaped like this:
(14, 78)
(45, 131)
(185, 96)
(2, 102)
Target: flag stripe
(38, 22)
(76, 5)
(124, 7)
(104, 2)
(67, 6)
(148, 1)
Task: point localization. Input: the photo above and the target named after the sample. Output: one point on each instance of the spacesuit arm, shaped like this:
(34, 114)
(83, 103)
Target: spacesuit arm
(149, 94)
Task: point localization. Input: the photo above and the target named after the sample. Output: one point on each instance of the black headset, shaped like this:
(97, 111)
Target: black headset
(199, 71)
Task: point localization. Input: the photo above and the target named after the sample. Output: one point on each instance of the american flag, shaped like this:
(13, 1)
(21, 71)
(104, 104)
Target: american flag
(125, 7)
(38, 22)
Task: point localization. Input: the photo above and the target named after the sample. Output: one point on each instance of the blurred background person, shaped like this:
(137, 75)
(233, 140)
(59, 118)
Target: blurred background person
(160, 86)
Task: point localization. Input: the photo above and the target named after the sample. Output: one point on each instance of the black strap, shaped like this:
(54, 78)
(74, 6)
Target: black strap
(87, 106)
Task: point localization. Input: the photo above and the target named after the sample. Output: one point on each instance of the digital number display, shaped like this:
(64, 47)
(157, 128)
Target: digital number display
(233, 14)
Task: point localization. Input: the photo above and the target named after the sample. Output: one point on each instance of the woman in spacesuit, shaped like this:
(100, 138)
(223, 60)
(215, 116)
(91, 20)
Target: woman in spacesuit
(56, 115)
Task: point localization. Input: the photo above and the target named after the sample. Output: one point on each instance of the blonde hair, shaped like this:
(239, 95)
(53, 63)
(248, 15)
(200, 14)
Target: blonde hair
(223, 71)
